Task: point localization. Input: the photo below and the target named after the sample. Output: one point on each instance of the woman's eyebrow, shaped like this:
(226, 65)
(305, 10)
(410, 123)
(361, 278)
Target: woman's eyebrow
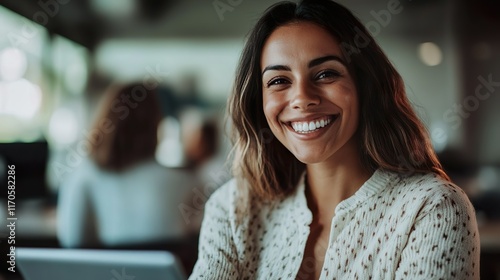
(276, 67)
(312, 63)
(319, 60)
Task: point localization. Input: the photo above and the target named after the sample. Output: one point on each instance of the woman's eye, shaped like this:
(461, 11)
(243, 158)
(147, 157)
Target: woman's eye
(277, 81)
(327, 74)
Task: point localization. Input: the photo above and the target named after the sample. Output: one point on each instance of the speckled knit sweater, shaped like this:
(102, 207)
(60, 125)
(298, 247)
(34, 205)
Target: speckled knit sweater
(393, 227)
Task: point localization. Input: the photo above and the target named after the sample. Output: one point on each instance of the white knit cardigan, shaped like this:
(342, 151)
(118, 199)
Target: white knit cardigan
(393, 227)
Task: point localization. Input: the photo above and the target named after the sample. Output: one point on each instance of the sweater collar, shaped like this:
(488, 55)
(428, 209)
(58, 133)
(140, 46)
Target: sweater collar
(379, 180)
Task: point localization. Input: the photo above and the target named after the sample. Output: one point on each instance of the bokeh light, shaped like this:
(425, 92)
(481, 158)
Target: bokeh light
(13, 64)
(430, 54)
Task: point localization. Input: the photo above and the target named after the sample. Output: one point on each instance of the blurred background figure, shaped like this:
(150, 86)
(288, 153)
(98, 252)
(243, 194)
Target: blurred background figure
(200, 137)
(121, 196)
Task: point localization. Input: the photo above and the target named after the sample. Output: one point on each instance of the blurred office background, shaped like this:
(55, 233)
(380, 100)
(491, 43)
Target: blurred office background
(58, 57)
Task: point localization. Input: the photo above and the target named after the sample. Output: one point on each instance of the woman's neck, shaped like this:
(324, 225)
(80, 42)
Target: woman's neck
(330, 182)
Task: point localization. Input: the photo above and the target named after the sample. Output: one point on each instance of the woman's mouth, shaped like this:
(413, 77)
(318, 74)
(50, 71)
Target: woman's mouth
(305, 127)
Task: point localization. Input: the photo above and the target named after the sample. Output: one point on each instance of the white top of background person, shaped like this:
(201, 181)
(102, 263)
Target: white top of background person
(122, 195)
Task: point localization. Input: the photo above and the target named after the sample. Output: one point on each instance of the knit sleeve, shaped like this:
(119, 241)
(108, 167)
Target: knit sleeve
(444, 240)
(217, 256)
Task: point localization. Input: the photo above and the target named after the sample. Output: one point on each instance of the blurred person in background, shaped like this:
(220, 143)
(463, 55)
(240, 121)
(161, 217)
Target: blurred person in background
(200, 138)
(122, 196)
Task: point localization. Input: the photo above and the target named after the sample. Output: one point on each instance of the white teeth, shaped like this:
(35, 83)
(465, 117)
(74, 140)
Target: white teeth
(310, 126)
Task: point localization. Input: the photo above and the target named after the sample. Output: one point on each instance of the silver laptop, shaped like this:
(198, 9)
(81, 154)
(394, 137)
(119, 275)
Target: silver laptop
(83, 264)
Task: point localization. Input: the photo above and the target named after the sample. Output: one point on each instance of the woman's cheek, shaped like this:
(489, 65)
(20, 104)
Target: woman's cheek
(271, 107)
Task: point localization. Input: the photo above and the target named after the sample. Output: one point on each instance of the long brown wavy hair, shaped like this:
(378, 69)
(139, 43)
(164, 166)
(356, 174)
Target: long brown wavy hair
(391, 136)
(126, 125)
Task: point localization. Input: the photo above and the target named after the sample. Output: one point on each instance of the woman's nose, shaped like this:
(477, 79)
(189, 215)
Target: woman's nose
(304, 96)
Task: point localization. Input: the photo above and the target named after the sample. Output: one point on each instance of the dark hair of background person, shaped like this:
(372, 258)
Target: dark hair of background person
(201, 144)
(390, 134)
(133, 114)
(209, 139)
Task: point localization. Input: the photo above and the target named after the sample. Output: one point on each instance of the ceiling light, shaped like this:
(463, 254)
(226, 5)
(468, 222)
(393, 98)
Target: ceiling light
(430, 54)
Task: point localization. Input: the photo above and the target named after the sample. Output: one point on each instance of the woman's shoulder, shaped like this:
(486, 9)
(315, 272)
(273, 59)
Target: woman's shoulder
(432, 184)
(236, 200)
(430, 189)
(229, 196)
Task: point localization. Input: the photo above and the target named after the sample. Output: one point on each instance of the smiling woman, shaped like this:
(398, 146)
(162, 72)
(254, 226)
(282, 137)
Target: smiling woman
(349, 187)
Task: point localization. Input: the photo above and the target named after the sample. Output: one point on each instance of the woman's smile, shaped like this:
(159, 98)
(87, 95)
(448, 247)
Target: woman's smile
(309, 126)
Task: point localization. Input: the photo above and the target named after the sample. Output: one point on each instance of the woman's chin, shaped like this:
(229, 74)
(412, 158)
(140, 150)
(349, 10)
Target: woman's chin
(310, 157)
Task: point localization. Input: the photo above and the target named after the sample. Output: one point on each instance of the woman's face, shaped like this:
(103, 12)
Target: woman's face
(309, 97)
